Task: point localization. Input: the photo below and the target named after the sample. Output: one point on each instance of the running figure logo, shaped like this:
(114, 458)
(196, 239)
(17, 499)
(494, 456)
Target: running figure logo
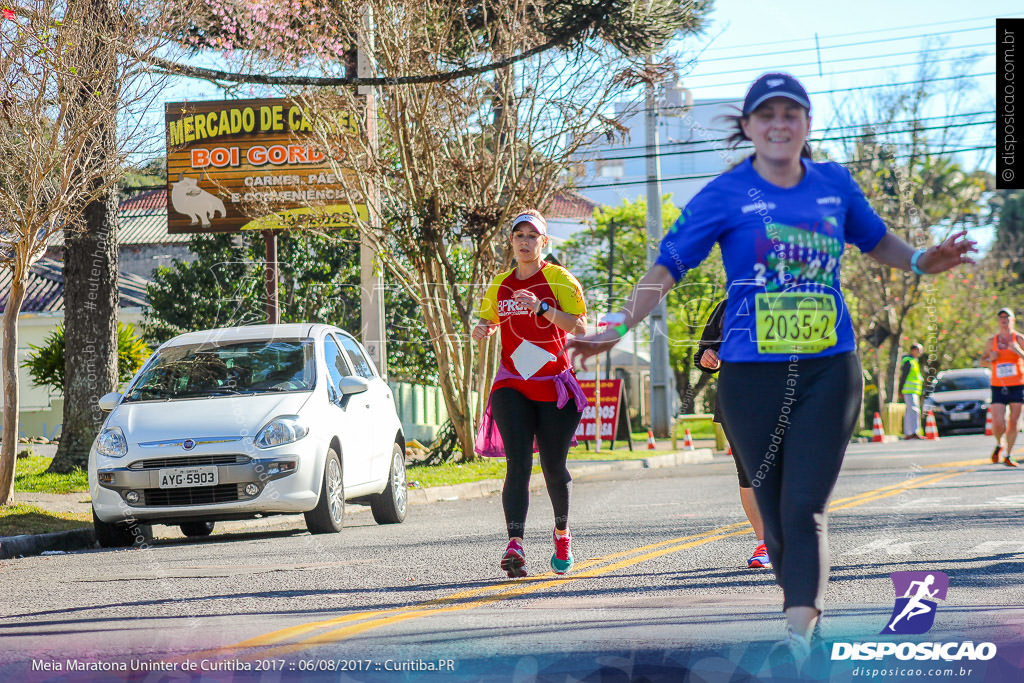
(914, 611)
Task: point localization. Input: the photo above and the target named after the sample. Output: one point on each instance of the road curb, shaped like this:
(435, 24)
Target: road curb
(694, 457)
(487, 487)
(80, 539)
(37, 544)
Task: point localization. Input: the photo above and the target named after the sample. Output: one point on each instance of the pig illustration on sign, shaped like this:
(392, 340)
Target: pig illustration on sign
(198, 204)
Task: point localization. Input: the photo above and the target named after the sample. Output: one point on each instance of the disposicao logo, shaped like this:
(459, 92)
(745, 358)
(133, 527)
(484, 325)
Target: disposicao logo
(916, 592)
(914, 613)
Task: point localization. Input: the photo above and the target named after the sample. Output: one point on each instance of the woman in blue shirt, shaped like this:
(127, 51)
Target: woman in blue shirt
(791, 380)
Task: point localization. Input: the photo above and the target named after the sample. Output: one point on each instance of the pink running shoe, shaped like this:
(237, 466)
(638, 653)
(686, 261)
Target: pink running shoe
(513, 562)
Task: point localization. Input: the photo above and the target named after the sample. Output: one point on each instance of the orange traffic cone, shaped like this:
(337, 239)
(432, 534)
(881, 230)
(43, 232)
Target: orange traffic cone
(728, 448)
(930, 430)
(988, 422)
(650, 440)
(877, 430)
(687, 440)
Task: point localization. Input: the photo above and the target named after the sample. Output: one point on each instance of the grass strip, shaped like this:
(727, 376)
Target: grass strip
(28, 519)
(31, 477)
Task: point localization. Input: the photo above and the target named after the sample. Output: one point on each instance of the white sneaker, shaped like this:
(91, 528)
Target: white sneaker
(798, 646)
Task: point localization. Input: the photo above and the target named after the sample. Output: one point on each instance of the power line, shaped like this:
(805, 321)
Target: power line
(854, 126)
(861, 58)
(702, 176)
(812, 140)
(840, 45)
(857, 33)
(722, 100)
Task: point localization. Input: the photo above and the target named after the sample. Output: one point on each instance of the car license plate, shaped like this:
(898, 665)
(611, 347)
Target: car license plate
(181, 477)
(959, 416)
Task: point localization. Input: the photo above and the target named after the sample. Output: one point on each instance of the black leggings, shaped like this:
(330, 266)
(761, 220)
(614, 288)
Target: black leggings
(790, 422)
(519, 420)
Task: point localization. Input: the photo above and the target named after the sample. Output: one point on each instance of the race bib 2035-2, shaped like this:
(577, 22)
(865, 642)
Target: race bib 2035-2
(795, 322)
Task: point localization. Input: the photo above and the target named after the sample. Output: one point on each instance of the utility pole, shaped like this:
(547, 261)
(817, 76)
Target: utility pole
(660, 387)
(611, 284)
(270, 276)
(371, 327)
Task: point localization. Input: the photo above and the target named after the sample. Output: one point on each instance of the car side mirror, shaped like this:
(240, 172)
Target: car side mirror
(108, 401)
(353, 385)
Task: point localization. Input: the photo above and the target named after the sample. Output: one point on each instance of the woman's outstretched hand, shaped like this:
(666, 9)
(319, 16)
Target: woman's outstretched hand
(582, 348)
(951, 253)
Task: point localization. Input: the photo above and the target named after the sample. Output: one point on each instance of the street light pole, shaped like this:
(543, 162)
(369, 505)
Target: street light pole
(660, 396)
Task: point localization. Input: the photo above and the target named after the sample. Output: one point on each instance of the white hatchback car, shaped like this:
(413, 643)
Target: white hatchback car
(247, 422)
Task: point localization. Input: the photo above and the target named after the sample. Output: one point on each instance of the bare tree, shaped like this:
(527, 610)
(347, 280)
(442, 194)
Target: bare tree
(52, 56)
(481, 106)
(457, 160)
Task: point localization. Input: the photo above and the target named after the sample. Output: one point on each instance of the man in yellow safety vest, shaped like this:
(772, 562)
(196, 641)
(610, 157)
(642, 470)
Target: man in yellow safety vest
(911, 385)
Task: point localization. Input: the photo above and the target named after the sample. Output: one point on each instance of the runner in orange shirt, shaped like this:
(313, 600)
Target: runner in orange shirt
(1005, 355)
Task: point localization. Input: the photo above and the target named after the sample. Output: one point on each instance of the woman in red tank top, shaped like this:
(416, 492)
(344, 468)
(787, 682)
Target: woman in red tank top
(1004, 353)
(535, 399)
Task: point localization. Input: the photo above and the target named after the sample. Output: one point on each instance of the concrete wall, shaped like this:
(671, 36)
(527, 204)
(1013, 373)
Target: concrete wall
(142, 260)
(40, 407)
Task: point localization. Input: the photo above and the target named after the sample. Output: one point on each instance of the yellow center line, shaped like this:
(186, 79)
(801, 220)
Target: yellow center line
(911, 485)
(508, 589)
(960, 463)
(900, 485)
(354, 629)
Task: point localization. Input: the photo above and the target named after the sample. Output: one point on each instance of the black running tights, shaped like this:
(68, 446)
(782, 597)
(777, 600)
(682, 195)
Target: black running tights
(519, 421)
(790, 422)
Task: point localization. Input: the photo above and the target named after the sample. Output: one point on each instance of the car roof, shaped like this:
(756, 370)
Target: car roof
(964, 371)
(253, 333)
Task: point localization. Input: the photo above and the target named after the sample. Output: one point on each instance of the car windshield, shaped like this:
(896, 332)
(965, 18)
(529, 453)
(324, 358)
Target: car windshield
(226, 370)
(961, 383)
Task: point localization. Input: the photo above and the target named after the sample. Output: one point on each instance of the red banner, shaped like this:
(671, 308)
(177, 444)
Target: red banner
(611, 402)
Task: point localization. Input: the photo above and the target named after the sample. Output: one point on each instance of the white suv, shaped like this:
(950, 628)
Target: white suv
(246, 422)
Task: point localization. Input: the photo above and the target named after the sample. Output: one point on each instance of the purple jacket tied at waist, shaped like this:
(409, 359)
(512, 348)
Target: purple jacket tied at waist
(488, 438)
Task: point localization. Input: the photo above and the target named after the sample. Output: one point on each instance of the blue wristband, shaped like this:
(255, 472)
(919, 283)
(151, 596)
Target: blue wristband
(913, 261)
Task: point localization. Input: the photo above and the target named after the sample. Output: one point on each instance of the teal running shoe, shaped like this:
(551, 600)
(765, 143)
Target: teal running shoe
(561, 561)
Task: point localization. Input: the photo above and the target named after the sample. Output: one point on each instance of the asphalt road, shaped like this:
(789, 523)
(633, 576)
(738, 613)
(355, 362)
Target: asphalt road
(660, 590)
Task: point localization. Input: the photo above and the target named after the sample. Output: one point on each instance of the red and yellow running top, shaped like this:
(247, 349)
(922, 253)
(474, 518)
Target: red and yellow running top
(552, 284)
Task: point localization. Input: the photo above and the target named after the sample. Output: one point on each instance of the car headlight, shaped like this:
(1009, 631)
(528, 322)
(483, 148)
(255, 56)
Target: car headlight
(281, 430)
(111, 443)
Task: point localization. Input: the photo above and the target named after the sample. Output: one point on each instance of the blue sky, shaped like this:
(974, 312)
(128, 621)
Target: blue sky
(860, 45)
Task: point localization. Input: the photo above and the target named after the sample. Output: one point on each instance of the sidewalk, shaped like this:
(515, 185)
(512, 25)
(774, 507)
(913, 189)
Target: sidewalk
(63, 541)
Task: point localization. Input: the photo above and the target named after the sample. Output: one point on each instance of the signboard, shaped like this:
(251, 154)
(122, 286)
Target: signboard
(611, 402)
(253, 165)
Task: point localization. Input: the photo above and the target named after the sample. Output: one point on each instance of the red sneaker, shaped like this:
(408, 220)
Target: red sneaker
(760, 558)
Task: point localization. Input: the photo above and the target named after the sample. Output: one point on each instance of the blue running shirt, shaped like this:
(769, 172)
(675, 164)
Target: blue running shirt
(781, 248)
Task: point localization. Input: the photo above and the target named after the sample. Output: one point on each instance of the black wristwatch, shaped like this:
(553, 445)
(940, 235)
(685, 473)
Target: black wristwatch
(543, 308)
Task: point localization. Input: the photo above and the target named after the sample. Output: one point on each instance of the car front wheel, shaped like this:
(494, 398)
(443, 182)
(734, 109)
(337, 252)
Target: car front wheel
(328, 515)
(390, 505)
(197, 529)
(121, 535)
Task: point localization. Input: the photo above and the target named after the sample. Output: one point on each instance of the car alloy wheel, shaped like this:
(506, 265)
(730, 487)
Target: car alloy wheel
(398, 484)
(335, 491)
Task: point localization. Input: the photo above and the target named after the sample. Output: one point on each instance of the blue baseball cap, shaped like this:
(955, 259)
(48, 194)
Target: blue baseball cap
(775, 85)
